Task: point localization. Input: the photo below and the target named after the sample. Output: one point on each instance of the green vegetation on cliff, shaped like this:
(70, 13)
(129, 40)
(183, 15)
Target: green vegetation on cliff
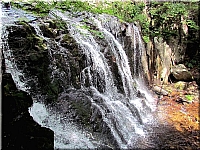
(156, 18)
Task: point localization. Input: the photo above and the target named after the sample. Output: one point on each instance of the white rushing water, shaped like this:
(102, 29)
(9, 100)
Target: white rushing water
(66, 135)
(8, 18)
(0, 73)
(121, 60)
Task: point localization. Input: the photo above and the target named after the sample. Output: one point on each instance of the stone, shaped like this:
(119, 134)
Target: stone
(181, 73)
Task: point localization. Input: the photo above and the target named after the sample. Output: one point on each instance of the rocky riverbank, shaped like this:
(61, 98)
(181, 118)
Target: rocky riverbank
(179, 113)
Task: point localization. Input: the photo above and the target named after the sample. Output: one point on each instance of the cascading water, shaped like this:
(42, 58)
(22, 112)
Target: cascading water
(138, 70)
(123, 113)
(121, 60)
(122, 126)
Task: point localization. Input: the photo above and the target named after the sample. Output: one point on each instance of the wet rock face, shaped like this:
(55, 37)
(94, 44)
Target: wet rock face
(77, 106)
(34, 57)
(31, 55)
(19, 130)
(29, 50)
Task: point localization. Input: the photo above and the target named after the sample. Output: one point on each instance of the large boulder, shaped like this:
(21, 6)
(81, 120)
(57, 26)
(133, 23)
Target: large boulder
(181, 73)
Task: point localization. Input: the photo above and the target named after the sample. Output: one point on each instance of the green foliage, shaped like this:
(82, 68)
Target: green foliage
(146, 38)
(39, 7)
(166, 17)
(126, 11)
(192, 24)
(189, 98)
(191, 63)
(42, 7)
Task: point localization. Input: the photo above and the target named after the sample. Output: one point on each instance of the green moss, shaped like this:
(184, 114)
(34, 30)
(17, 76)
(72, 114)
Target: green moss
(94, 32)
(97, 33)
(36, 42)
(25, 25)
(189, 98)
(23, 19)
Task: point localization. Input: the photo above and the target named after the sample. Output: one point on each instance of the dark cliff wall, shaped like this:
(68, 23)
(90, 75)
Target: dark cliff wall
(19, 130)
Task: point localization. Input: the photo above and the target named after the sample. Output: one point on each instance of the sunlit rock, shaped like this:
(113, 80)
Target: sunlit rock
(163, 60)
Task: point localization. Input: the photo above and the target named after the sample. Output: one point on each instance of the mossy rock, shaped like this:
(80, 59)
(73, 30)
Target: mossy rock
(34, 58)
(83, 111)
(52, 23)
(26, 26)
(47, 32)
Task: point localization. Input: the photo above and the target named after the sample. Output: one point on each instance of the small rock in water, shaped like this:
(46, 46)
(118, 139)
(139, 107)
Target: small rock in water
(140, 95)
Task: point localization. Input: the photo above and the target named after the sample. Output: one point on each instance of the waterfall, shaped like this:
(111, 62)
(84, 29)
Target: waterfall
(138, 70)
(121, 119)
(124, 114)
(121, 60)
